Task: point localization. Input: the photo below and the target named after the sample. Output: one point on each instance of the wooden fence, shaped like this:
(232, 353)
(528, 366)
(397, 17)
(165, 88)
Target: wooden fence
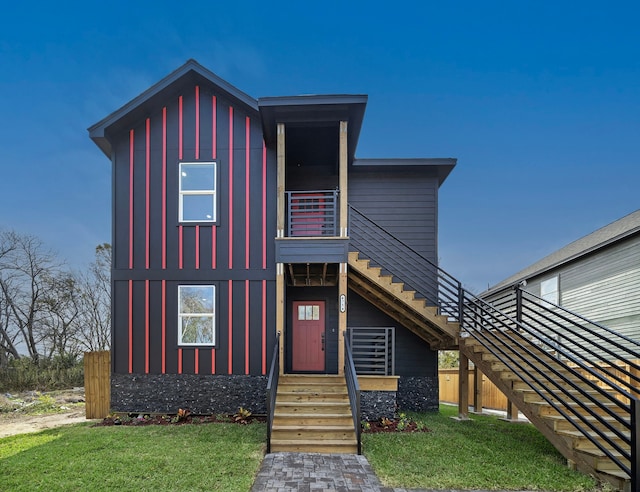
(492, 397)
(97, 384)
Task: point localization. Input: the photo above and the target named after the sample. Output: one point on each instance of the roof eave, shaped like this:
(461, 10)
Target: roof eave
(99, 131)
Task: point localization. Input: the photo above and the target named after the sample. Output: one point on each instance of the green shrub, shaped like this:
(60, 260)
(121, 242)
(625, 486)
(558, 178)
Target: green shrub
(49, 374)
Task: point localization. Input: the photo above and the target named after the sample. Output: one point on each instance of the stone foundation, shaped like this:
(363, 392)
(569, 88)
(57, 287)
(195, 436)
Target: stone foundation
(418, 393)
(377, 404)
(203, 395)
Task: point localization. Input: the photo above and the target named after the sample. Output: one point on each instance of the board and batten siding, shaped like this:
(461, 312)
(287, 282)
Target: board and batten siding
(405, 204)
(154, 253)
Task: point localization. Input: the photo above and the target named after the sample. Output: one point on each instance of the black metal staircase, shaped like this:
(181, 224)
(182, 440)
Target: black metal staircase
(576, 380)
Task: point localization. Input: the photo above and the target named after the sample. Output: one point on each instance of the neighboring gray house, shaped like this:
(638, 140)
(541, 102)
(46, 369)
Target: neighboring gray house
(597, 276)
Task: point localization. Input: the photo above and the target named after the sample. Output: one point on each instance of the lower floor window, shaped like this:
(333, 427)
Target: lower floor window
(196, 315)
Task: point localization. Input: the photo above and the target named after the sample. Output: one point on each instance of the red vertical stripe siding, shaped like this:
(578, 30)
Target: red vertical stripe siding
(130, 326)
(197, 247)
(164, 326)
(180, 127)
(213, 247)
(264, 327)
(146, 326)
(180, 247)
(246, 190)
(147, 161)
(264, 206)
(197, 361)
(214, 121)
(230, 334)
(179, 361)
(197, 123)
(164, 188)
(131, 135)
(246, 327)
(230, 188)
(213, 361)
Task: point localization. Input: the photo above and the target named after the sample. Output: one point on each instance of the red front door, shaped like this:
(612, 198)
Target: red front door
(308, 336)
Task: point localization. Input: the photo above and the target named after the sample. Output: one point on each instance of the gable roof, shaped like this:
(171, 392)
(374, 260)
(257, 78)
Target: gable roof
(611, 233)
(140, 106)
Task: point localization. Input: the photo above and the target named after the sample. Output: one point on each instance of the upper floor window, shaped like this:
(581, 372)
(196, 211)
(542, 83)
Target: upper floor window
(549, 290)
(196, 315)
(197, 192)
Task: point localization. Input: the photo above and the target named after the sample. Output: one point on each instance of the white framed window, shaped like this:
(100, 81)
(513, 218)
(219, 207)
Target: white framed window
(549, 290)
(196, 315)
(197, 192)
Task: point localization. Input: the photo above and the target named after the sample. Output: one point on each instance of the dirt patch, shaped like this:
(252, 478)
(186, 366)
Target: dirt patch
(34, 411)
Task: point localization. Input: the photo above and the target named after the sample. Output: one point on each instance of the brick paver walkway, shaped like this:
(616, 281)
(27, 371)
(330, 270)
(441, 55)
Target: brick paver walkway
(306, 472)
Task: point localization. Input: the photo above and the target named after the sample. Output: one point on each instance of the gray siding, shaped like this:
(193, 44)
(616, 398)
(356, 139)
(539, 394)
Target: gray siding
(405, 204)
(605, 287)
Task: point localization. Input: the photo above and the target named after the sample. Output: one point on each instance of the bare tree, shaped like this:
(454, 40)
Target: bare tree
(94, 321)
(26, 270)
(62, 304)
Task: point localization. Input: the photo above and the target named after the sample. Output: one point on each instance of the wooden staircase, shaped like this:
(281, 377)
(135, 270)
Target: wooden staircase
(313, 414)
(402, 305)
(528, 387)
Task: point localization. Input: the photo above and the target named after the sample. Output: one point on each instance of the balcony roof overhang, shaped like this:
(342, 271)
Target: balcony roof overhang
(313, 110)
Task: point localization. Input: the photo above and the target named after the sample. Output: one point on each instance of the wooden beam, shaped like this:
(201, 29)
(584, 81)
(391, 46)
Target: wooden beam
(280, 153)
(463, 388)
(280, 324)
(344, 214)
(399, 312)
(342, 314)
(477, 389)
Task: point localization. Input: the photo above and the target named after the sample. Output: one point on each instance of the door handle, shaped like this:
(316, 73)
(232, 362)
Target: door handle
(322, 337)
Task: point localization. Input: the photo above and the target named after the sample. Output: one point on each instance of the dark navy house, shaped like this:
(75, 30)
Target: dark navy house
(246, 231)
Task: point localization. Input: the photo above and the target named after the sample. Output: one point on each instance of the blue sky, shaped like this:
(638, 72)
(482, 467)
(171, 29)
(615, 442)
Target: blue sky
(538, 101)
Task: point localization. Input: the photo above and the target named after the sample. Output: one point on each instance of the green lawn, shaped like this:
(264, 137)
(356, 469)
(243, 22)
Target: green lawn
(483, 453)
(221, 457)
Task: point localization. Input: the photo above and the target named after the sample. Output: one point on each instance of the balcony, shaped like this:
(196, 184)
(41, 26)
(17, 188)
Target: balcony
(312, 213)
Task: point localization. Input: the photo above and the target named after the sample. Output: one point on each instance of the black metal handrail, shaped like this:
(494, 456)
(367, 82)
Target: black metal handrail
(528, 335)
(272, 388)
(353, 388)
(418, 273)
(567, 384)
(312, 213)
(373, 349)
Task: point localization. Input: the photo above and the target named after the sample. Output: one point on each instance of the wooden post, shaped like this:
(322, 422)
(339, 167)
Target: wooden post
(97, 384)
(477, 390)
(344, 214)
(635, 388)
(280, 321)
(342, 315)
(280, 225)
(280, 202)
(463, 388)
(511, 409)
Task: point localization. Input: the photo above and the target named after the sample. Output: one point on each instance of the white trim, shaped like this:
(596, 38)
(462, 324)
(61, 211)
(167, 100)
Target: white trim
(207, 192)
(211, 315)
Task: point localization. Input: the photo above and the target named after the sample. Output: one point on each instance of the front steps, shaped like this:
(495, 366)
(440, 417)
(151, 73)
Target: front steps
(313, 415)
(561, 432)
